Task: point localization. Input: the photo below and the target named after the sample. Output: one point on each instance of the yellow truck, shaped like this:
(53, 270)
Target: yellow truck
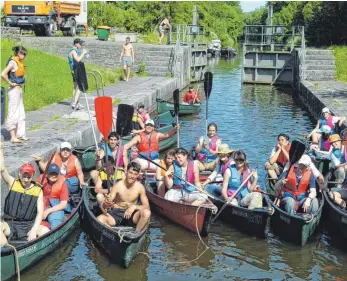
(45, 18)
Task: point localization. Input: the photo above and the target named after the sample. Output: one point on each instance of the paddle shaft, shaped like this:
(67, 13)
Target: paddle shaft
(91, 122)
(159, 166)
(117, 159)
(178, 132)
(47, 165)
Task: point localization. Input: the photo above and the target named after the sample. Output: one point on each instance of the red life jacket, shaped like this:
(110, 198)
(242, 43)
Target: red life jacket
(282, 160)
(70, 166)
(149, 142)
(303, 186)
(51, 191)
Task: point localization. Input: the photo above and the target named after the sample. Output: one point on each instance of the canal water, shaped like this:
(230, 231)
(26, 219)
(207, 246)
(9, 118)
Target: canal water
(249, 118)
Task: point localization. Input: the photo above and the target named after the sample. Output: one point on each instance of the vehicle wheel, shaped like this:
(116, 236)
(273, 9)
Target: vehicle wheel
(73, 27)
(39, 31)
(65, 33)
(51, 28)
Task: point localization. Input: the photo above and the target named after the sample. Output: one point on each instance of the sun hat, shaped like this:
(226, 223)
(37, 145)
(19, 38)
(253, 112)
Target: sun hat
(149, 122)
(224, 149)
(27, 168)
(53, 169)
(65, 144)
(305, 160)
(325, 110)
(334, 138)
(324, 129)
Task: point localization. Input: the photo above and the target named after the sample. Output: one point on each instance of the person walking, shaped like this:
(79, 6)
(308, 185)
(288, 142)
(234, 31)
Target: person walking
(75, 55)
(13, 74)
(165, 24)
(127, 57)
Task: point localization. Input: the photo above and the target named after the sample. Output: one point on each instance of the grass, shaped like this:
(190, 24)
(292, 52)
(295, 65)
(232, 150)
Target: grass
(48, 77)
(116, 101)
(341, 62)
(35, 127)
(152, 38)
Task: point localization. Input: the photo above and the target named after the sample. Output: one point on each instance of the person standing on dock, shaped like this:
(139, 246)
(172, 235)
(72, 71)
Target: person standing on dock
(13, 74)
(165, 24)
(75, 55)
(127, 57)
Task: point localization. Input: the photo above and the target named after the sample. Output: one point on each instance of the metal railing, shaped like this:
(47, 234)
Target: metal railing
(188, 35)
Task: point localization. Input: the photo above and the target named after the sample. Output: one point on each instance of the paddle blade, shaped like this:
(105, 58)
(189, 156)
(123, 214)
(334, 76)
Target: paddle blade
(104, 115)
(208, 84)
(176, 100)
(124, 115)
(81, 76)
(297, 149)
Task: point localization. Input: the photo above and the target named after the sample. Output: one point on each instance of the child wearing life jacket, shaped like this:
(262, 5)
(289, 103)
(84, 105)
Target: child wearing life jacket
(13, 74)
(338, 157)
(160, 173)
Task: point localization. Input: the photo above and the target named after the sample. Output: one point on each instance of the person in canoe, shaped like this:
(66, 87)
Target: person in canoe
(137, 124)
(23, 208)
(234, 174)
(191, 96)
(112, 148)
(298, 189)
(323, 145)
(180, 190)
(122, 202)
(279, 157)
(55, 197)
(143, 112)
(207, 149)
(166, 163)
(338, 157)
(326, 119)
(148, 145)
(339, 197)
(70, 167)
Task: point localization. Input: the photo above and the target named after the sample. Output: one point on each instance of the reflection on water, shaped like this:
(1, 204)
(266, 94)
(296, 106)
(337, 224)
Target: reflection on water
(249, 117)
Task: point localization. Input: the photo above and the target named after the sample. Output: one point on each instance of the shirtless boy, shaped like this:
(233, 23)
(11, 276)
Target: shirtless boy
(123, 199)
(127, 57)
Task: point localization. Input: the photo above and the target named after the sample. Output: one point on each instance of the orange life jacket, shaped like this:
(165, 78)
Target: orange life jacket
(281, 158)
(149, 142)
(303, 186)
(52, 191)
(163, 164)
(70, 167)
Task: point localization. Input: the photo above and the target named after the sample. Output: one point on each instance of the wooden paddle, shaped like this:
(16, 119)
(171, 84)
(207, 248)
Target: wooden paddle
(297, 149)
(176, 99)
(123, 128)
(207, 88)
(104, 115)
(197, 90)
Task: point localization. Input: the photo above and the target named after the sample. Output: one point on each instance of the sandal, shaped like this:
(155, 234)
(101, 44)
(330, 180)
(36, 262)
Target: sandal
(16, 141)
(342, 204)
(24, 138)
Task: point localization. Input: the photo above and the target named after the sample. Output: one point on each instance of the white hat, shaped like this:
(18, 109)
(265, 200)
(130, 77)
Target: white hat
(65, 144)
(324, 129)
(305, 160)
(325, 109)
(149, 122)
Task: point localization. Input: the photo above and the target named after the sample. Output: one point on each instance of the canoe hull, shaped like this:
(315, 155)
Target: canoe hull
(185, 109)
(184, 215)
(255, 222)
(38, 248)
(294, 229)
(121, 252)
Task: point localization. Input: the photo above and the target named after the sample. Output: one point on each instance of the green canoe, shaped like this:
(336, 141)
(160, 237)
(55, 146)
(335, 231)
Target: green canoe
(185, 109)
(165, 118)
(30, 252)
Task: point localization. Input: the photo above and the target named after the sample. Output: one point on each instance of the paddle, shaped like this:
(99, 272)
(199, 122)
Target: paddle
(104, 115)
(207, 88)
(176, 97)
(44, 175)
(297, 149)
(159, 166)
(123, 128)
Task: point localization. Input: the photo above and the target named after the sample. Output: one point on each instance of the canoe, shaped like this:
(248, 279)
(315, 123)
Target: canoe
(164, 118)
(192, 218)
(185, 109)
(29, 253)
(121, 243)
(255, 222)
(294, 228)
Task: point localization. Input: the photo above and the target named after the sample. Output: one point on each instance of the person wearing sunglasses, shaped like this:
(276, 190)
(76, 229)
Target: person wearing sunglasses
(55, 197)
(23, 207)
(298, 188)
(70, 167)
(13, 74)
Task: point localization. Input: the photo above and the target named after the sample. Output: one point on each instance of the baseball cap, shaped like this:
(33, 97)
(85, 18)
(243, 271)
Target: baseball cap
(326, 110)
(324, 129)
(53, 169)
(78, 40)
(65, 144)
(149, 122)
(305, 160)
(27, 168)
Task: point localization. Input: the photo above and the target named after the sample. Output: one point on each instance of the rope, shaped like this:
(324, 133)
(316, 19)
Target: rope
(121, 236)
(16, 258)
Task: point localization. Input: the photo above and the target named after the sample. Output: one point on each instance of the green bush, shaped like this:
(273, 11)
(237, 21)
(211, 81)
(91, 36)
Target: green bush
(341, 62)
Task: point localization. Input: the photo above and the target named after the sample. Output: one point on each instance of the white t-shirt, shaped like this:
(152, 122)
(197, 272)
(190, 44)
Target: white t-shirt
(312, 167)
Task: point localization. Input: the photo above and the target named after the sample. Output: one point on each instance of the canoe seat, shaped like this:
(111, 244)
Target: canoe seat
(18, 243)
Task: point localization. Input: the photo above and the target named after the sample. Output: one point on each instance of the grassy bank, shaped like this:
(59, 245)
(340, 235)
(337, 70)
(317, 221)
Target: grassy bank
(341, 62)
(48, 77)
